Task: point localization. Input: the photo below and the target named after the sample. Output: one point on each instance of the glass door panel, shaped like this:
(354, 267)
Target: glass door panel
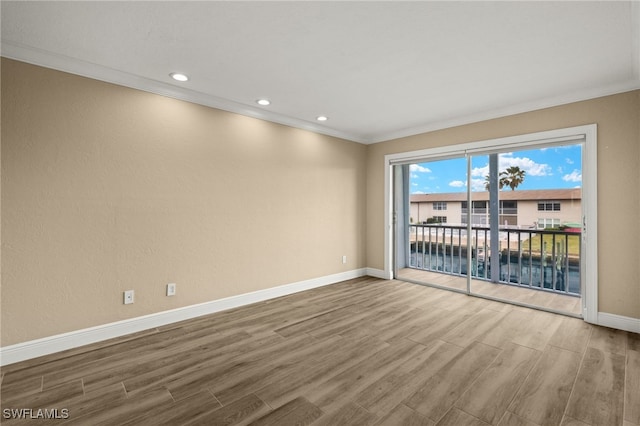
(437, 236)
(526, 235)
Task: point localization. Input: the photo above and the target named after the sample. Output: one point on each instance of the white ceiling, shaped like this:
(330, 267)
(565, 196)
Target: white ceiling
(378, 70)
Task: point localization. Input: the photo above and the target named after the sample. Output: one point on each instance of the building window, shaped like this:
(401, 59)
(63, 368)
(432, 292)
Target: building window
(437, 219)
(440, 205)
(508, 207)
(549, 206)
(548, 223)
(476, 206)
(476, 219)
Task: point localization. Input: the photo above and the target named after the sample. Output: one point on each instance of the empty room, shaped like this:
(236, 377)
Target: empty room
(320, 213)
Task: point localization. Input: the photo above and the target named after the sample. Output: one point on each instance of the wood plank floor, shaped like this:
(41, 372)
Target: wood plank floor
(510, 293)
(361, 352)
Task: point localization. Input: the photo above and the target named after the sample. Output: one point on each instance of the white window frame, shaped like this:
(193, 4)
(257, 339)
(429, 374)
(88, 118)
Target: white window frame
(543, 221)
(553, 203)
(587, 135)
(439, 205)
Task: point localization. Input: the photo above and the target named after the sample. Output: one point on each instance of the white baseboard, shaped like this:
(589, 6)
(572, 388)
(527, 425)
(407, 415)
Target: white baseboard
(619, 322)
(48, 345)
(377, 273)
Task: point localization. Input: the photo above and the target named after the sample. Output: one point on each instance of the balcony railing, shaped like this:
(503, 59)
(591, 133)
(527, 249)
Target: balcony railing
(535, 258)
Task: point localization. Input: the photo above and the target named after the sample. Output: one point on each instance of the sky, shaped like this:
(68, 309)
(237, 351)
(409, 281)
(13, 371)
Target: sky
(546, 168)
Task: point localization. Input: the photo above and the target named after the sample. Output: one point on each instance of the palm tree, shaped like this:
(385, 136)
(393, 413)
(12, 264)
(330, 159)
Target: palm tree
(511, 177)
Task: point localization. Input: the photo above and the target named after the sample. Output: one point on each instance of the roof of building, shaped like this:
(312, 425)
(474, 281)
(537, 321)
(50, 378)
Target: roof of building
(518, 195)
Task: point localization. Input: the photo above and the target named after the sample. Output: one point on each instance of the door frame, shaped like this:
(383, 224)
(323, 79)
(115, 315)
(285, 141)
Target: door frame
(587, 135)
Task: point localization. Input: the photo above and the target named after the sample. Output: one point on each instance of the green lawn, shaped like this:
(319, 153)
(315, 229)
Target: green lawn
(573, 241)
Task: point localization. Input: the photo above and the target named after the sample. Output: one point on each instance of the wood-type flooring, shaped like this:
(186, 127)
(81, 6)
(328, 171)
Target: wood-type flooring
(360, 352)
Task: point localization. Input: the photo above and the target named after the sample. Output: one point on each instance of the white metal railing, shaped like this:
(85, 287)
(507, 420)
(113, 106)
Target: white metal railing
(536, 258)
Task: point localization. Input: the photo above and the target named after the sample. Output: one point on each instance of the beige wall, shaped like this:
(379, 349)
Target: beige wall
(618, 119)
(106, 188)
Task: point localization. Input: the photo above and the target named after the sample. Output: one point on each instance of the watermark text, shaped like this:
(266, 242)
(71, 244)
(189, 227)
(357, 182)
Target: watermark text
(35, 413)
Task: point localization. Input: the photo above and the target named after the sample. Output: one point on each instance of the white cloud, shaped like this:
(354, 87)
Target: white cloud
(569, 160)
(574, 176)
(506, 160)
(528, 165)
(414, 176)
(419, 168)
(414, 184)
(477, 185)
(418, 192)
(480, 171)
(457, 183)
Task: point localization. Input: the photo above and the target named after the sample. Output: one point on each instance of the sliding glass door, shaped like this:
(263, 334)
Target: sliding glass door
(503, 224)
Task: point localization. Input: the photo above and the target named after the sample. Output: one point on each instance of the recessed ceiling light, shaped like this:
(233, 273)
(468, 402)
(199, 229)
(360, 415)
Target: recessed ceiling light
(263, 102)
(179, 76)
(322, 118)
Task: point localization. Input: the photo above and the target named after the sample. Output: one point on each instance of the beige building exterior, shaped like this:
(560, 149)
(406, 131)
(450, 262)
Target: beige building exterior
(546, 208)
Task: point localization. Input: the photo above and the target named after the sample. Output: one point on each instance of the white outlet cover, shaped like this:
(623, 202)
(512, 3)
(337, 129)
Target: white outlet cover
(128, 297)
(171, 289)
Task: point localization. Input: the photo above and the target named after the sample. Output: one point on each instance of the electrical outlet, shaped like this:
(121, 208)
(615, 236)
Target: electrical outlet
(171, 289)
(128, 297)
(344, 259)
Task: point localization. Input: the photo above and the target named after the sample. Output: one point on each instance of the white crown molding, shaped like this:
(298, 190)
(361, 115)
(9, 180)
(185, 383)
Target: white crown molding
(71, 65)
(578, 96)
(52, 344)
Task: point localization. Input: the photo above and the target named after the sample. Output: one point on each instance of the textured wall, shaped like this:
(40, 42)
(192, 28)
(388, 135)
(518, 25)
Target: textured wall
(106, 188)
(617, 118)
